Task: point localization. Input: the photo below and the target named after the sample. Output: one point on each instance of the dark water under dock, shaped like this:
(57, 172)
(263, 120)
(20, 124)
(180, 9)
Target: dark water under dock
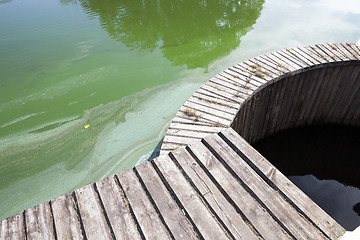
(323, 161)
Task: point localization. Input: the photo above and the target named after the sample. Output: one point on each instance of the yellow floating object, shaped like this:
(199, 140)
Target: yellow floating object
(87, 126)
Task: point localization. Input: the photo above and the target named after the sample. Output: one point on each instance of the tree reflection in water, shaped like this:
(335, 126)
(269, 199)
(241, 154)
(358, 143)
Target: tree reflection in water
(188, 32)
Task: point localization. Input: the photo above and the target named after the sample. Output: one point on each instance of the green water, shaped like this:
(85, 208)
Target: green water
(124, 68)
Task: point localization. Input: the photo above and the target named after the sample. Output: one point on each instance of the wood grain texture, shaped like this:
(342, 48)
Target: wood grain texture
(39, 222)
(67, 220)
(92, 214)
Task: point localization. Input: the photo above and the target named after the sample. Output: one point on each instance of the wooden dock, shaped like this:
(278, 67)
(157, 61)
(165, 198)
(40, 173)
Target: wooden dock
(309, 85)
(217, 188)
(208, 182)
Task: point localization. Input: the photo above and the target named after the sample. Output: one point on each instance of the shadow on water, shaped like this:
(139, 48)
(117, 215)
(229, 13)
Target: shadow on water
(188, 32)
(323, 161)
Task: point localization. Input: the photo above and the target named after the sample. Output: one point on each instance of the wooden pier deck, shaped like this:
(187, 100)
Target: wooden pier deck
(208, 182)
(217, 188)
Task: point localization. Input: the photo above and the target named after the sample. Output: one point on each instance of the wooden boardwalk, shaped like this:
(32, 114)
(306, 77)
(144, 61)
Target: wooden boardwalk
(208, 182)
(217, 188)
(298, 86)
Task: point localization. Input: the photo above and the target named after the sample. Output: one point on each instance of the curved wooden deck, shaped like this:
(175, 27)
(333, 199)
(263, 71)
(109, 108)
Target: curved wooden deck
(209, 183)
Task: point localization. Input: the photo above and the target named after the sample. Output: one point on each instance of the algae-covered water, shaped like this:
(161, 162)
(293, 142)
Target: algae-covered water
(124, 68)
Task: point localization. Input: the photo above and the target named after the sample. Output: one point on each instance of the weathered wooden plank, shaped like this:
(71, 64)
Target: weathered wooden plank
(342, 94)
(13, 228)
(190, 202)
(242, 82)
(246, 127)
(202, 109)
(39, 222)
(179, 140)
(225, 212)
(329, 96)
(304, 96)
(145, 213)
(211, 108)
(177, 223)
(167, 147)
(184, 119)
(194, 117)
(300, 55)
(340, 51)
(260, 113)
(280, 61)
(254, 74)
(282, 212)
(293, 59)
(92, 214)
(318, 79)
(346, 51)
(320, 53)
(309, 52)
(213, 104)
(353, 49)
(186, 133)
(117, 209)
(273, 72)
(297, 87)
(278, 69)
(66, 218)
(195, 128)
(321, 95)
(198, 115)
(249, 210)
(215, 92)
(216, 100)
(287, 83)
(354, 100)
(331, 52)
(277, 96)
(295, 195)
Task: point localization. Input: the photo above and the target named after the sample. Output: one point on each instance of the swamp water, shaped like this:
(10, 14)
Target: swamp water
(124, 68)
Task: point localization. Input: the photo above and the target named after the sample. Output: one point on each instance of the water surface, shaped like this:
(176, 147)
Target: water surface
(124, 68)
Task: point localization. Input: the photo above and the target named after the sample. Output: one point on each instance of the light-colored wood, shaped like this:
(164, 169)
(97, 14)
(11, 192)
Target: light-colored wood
(186, 133)
(346, 51)
(281, 55)
(208, 110)
(191, 203)
(39, 222)
(117, 209)
(221, 95)
(145, 213)
(281, 211)
(257, 218)
(291, 52)
(195, 128)
(303, 202)
(216, 100)
(215, 200)
(307, 50)
(200, 114)
(12, 228)
(178, 224)
(92, 214)
(213, 104)
(67, 220)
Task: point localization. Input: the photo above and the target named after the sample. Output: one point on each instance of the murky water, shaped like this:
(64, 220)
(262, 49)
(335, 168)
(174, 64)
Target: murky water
(323, 161)
(124, 68)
